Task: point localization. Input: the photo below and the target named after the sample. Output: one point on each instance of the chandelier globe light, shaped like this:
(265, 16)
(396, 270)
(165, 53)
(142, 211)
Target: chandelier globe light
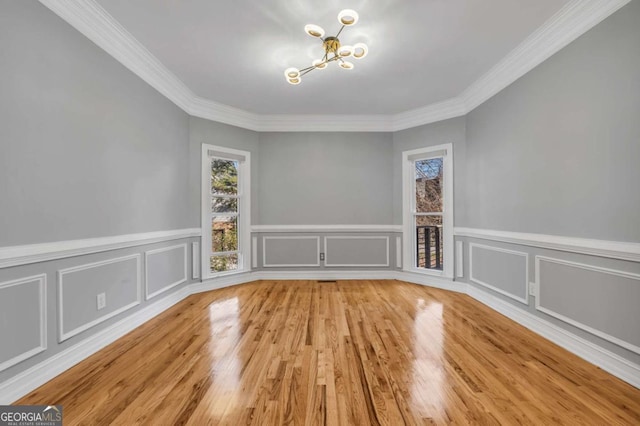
(334, 51)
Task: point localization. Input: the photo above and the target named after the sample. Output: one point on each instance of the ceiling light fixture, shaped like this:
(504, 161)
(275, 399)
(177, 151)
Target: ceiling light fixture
(333, 50)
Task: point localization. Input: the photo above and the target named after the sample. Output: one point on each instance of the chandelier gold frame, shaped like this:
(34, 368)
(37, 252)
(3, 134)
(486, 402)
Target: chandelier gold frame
(334, 51)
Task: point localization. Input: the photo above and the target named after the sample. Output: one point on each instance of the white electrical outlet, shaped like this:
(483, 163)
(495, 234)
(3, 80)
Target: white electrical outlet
(532, 289)
(101, 300)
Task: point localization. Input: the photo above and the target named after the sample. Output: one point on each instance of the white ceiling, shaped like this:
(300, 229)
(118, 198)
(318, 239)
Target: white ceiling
(421, 51)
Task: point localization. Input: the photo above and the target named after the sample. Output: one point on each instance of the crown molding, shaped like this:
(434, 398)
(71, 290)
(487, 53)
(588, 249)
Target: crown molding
(211, 110)
(454, 107)
(570, 22)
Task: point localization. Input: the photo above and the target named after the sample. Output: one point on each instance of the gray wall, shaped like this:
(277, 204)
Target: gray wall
(88, 149)
(212, 133)
(325, 179)
(448, 131)
(557, 152)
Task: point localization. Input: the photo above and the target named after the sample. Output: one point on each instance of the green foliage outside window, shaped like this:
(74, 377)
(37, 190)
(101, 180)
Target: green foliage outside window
(224, 233)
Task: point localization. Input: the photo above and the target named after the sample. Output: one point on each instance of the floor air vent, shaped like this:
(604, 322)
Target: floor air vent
(327, 281)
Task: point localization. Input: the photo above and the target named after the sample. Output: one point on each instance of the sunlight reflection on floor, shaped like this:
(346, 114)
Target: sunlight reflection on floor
(225, 325)
(427, 376)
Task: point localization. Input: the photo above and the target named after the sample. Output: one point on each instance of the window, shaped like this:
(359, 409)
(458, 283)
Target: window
(225, 210)
(428, 210)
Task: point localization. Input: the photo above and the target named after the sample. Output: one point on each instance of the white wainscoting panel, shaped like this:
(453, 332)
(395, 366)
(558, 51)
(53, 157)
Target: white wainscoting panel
(509, 279)
(167, 278)
(195, 260)
(355, 251)
(290, 251)
(254, 252)
(459, 259)
(41, 322)
(602, 301)
(398, 252)
(63, 333)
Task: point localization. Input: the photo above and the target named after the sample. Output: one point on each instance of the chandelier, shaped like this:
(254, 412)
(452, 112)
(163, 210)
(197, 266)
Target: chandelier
(333, 50)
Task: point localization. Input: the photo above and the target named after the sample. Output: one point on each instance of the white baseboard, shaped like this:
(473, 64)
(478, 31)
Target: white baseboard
(607, 360)
(221, 282)
(30, 379)
(39, 374)
(431, 281)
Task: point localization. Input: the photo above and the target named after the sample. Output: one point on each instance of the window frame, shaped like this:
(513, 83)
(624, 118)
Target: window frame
(409, 259)
(243, 214)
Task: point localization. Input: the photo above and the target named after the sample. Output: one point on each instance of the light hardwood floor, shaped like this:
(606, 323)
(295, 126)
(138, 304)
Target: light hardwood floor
(351, 352)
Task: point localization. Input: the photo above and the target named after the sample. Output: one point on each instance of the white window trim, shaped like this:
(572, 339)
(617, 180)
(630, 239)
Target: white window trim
(244, 200)
(408, 192)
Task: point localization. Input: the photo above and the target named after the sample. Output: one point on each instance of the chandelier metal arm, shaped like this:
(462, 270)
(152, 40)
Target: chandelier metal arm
(331, 46)
(307, 70)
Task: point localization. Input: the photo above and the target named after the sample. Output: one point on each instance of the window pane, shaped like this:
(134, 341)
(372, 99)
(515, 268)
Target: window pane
(429, 242)
(224, 233)
(224, 177)
(429, 185)
(224, 205)
(227, 262)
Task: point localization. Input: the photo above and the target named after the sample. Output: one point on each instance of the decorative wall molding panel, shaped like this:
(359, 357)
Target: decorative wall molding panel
(162, 273)
(614, 294)
(459, 259)
(573, 20)
(254, 252)
(325, 228)
(290, 251)
(41, 281)
(34, 253)
(612, 249)
(353, 248)
(195, 260)
(502, 281)
(63, 333)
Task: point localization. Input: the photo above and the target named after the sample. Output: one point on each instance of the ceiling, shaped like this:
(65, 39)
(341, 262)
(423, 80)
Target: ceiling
(421, 52)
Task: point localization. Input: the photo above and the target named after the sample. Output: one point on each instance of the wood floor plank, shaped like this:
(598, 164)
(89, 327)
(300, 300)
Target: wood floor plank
(359, 352)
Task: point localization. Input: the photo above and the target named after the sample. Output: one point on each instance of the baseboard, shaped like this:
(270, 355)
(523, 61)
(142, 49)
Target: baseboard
(221, 282)
(431, 281)
(25, 382)
(607, 360)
